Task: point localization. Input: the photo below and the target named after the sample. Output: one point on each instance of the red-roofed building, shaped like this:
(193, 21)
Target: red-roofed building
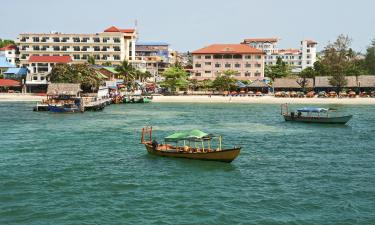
(112, 45)
(10, 52)
(213, 60)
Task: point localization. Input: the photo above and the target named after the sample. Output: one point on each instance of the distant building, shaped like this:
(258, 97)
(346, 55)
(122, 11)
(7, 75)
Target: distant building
(298, 59)
(113, 45)
(10, 52)
(211, 61)
(5, 64)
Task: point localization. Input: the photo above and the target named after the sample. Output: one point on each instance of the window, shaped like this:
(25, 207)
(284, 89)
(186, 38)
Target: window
(105, 48)
(35, 39)
(258, 57)
(247, 65)
(207, 57)
(64, 39)
(218, 56)
(105, 57)
(207, 63)
(76, 48)
(247, 56)
(36, 48)
(56, 39)
(85, 56)
(35, 78)
(44, 39)
(237, 65)
(116, 40)
(217, 65)
(207, 71)
(198, 65)
(228, 56)
(96, 48)
(198, 57)
(56, 48)
(105, 39)
(85, 48)
(258, 65)
(76, 57)
(308, 62)
(76, 39)
(198, 74)
(85, 39)
(227, 65)
(96, 56)
(247, 74)
(64, 48)
(237, 56)
(116, 57)
(308, 56)
(25, 47)
(42, 78)
(257, 74)
(96, 39)
(116, 48)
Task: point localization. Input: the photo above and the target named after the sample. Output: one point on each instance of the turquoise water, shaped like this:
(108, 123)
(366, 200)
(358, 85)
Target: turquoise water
(90, 168)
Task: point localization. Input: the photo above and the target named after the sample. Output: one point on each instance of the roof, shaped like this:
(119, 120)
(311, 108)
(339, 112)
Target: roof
(290, 83)
(50, 59)
(4, 63)
(311, 42)
(16, 71)
(100, 75)
(8, 47)
(228, 48)
(63, 89)
(152, 43)
(9, 83)
(312, 109)
(258, 83)
(111, 69)
(116, 29)
(187, 135)
(366, 81)
(261, 40)
(289, 51)
(323, 81)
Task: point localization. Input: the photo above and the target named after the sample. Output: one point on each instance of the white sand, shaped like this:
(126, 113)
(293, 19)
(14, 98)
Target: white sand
(264, 100)
(5, 97)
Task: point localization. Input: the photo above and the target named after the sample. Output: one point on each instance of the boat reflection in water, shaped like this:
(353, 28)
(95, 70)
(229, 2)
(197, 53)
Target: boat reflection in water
(196, 144)
(313, 115)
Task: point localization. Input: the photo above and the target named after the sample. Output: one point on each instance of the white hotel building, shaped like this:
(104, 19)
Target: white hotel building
(298, 59)
(113, 45)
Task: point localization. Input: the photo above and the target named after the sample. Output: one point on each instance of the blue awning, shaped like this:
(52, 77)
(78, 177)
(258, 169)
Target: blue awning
(17, 71)
(312, 109)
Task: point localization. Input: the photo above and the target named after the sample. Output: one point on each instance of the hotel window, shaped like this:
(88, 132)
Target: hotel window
(85, 48)
(247, 56)
(258, 65)
(116, 48)
(258, 57)
(76, 48)
(300, 57)
(198, 65)
(218, 56)
(35, 39)
(207, 57)
(56, 48)
(207, 71)
(76, 39)
(217, 65)
(197, 74)
(96, 48)
(237, 56)
(44, 47)
(76, 57)
(207, 63)
(116, 40)
(247, 65)
(116, 57)
(198, 57)
(56, 39)
(64, 39)
(308, 62)
(237, 65)
(25, 47)
(308, 50)
(308, 56)
(105, 57)
(36, 48)
(85, 56)
(257, 74)
(64, 48)
(247, 74)
(96, 56)
(44, 39)
(24, 39)
(227, 65)
(105, 39)
(227, 56)
(35, 78)
(85, 39)
(96, 39)
(105, 48)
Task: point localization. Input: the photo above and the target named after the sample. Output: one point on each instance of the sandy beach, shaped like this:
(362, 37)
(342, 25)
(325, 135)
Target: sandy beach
(218, 99)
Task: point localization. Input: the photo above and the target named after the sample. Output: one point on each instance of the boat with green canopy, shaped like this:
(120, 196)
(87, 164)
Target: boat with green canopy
(194, 144)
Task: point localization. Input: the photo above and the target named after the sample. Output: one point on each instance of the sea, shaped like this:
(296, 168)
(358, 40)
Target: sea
(90, 168)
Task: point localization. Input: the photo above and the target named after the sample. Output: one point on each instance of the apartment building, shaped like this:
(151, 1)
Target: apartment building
(211, 61)
(297, 58)
(112, 45)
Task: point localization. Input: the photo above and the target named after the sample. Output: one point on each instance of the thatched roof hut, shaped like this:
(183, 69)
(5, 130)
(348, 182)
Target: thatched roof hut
(257, 84)
(291, 83)
(64, 89)
(366, 81)
(323, 82)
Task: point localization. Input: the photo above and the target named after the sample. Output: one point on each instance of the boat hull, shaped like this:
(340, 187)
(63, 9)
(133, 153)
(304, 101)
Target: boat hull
(326, 120)
(227, 155)
(59, 109)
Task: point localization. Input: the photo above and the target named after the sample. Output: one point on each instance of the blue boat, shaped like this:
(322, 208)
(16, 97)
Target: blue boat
(66, 108)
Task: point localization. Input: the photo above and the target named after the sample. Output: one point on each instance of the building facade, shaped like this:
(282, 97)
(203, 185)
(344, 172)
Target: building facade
(211, 61)
(113, 45)
(298, 59)
(10, 52)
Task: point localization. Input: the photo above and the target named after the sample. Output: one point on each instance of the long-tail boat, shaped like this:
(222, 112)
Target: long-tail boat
(196, 144)
(313, 115)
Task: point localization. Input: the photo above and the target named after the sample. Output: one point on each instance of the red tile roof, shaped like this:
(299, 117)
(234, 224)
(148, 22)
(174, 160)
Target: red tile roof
(228, 48)
(115, 29)
(8, 47)
(289, 51)
(311, 42)
(50, 59)
(261, 40)
(9, 83)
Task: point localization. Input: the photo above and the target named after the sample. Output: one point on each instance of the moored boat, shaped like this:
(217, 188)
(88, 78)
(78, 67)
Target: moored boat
(196, 145)
(313, 115)
(66, 108)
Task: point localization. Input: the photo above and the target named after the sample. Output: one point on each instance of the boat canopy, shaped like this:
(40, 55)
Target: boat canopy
(312, 109)
(193, 135)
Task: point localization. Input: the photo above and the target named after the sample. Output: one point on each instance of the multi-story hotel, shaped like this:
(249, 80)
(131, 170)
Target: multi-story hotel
(211, 61)
(113, 45)
(298, 59)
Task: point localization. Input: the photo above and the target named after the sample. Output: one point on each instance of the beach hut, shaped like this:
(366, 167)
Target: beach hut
(258, 86)
(290, 84)
(322, 83)
(64, 89)
(366, 83)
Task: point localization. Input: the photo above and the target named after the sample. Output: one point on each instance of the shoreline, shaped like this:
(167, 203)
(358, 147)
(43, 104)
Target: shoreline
(218, 99)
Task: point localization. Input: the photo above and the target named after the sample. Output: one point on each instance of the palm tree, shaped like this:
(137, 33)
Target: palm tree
(127, 72)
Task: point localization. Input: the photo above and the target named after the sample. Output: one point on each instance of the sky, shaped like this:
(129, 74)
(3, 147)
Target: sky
(192, 24)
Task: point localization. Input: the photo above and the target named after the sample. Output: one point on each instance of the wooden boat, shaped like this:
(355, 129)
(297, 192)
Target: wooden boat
(193, 146)
(66, 108)
(313, 115)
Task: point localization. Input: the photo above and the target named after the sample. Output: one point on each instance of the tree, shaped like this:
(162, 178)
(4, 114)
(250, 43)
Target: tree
(76, 73)
(225, 81)
(205, 84)
(127, 72)
(370, 58)
(175, 77)
(193, 84)
(320, 68)
(5, 42)
(281, 69)
(106, 63)
(304, 75)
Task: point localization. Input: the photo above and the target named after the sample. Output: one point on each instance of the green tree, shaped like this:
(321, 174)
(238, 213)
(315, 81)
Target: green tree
(304, 75)
(320, 68)
(5, 42)
(225, 81)
(127, 72)
(281, 69)
(370, 58)
(193, 84)
(91, 60)
(205, 84)
(107, 64)
(76, 73)
(175, 78)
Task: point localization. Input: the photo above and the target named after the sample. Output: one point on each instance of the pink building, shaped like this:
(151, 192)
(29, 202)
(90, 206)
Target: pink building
(211, 61)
